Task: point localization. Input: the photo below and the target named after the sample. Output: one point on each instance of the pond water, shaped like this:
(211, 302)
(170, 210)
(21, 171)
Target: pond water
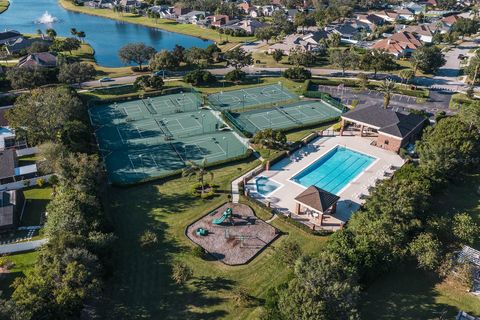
(106, 36)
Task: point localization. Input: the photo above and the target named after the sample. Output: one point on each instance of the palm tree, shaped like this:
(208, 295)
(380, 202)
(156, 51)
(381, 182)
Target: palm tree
(51, 33)
(406, 75)
(198, 170)
(73, 32)
(387, 87)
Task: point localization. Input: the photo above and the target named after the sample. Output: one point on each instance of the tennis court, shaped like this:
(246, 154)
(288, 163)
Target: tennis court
(138, 143)
(138, 109)
(286, 117)
(245, 98)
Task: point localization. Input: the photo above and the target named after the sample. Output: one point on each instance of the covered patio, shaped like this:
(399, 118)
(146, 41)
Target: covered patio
(316, 204)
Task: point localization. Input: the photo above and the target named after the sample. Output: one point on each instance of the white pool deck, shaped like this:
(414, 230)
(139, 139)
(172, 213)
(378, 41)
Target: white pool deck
(350, 196)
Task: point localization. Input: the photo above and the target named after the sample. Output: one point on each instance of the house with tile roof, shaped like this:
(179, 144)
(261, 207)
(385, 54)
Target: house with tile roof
(422, 32)
(400, 44)
(390, 129)
(38, 60)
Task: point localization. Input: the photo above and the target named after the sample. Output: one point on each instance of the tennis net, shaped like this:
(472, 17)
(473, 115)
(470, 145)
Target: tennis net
(176, 151)
(288, 115)
(149, 107)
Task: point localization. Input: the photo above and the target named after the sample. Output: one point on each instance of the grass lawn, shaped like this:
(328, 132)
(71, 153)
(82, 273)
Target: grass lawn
(36, 202)
(4, 4)
(459, 99)
(141, 284)
(408, 293)
(23, 262)
(164, 24)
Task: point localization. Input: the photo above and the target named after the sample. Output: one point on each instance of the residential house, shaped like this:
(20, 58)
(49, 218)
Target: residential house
(372, 20)
(192, 17)
(9, 36)
(393, 129)
(462, 315)
(245, 7)
(12, 203)
(100, 4)
(296, 42)
(38, 60)
(23, 44)
(267, 11)
(422, 32)
(351, 31)
(178, 11)
(9, 169)
(387, 15)
(414, 8)
(405, 14)
(400, 44)
(8, 138)
(450, 20)
(218, 20)
(249, 25)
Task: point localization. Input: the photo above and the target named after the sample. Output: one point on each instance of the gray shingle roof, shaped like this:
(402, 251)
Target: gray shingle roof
(386, 120)
(7, 163)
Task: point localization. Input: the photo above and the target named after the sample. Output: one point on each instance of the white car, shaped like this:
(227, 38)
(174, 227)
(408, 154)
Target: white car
(106, 79)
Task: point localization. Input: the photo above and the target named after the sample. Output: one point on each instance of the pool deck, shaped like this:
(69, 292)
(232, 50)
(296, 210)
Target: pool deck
(351, 196)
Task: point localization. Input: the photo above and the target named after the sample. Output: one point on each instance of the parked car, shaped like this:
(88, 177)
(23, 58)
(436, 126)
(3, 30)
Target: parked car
(106, 79)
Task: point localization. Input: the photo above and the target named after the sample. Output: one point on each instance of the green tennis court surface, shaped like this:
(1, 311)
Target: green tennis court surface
(245, 98)
(290, 116)
(139, 144)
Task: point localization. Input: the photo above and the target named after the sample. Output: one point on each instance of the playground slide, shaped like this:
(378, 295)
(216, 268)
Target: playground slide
(221, 219)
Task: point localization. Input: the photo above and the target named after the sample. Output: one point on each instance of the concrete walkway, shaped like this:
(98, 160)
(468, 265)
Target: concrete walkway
(22, 246)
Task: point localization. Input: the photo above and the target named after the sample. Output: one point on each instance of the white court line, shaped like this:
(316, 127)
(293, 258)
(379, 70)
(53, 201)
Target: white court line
(120, 135)
(131, 163)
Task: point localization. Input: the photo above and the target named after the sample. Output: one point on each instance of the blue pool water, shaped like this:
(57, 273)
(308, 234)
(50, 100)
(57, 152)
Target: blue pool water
(266, 186)
(334, 170)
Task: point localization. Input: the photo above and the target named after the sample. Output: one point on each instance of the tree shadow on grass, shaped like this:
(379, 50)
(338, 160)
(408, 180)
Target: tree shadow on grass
(404, 293)
(141, 285)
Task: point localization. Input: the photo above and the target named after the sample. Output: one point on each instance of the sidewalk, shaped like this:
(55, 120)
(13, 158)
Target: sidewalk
(22, 246)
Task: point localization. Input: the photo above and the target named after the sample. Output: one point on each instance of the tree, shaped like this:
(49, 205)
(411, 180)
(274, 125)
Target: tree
(277, 55)
(73, 32)
(340, 59)
(334, 39)
(406, 75)
(387, 87)
(300, 57)
(156, 82)
(43, 114)
(199, 77)
(281, 24)
(81, 35)
(236, 75)
(363, 80)
(473, 67)
(26, 78)
(138, 53)
(38, 46)
(163, 60)
(199, 171)
(51, 33)
(141, 82)
(290, 252)
(178, 53)
(270, 138)
(428, 59)
(212, 52)
(264, 33)
(427, 249)
(465, 229)
(323, 287)
(377, 60)
(238, 58)
(76, 72)
(194, 55)
(297, 74)
(181, 272)
(148, 239)
(470, 114)
(69, 44)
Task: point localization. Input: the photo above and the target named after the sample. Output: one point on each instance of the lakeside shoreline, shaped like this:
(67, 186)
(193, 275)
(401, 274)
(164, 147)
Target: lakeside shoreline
(163, 24)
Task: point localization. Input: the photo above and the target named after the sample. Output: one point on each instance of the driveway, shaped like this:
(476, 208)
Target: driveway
(22, 246)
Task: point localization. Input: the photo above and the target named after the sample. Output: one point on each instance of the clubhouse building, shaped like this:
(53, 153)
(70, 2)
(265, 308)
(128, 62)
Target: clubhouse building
(389, 129)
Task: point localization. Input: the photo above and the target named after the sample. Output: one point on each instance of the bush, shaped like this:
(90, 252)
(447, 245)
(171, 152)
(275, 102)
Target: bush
(148, 239)
(181, 272)
(40, 182)
(240, 297)
(199, 77)
(297, 74)
(236, 75)
(289, 252)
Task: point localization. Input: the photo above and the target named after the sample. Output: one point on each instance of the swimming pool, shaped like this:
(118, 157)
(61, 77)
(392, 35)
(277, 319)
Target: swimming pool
(265, 186)
(334, 170)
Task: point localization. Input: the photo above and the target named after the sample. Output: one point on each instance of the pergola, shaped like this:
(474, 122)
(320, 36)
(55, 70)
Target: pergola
(316, 201)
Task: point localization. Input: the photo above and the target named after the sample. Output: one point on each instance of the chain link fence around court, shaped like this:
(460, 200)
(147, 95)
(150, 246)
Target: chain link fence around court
(287, 117)
(253, 97)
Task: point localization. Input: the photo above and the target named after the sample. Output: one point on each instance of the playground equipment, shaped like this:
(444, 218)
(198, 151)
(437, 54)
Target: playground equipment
(202, 232)
(227, 214)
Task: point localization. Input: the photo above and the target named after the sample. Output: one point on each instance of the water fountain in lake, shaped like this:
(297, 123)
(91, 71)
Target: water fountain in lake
(46, 18)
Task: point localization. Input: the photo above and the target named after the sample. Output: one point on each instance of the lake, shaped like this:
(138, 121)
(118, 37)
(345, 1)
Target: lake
(106, 36)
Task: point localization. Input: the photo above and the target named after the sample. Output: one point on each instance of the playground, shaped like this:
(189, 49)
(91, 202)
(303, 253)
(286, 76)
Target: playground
(290, 116)
(249, 97)
(138, 145)
(232, 233)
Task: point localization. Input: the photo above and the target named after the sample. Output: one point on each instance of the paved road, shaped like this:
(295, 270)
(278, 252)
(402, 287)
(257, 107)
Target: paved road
(22, 246)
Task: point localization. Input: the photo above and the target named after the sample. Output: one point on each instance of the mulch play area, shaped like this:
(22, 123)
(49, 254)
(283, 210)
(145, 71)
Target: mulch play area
(233, 236)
